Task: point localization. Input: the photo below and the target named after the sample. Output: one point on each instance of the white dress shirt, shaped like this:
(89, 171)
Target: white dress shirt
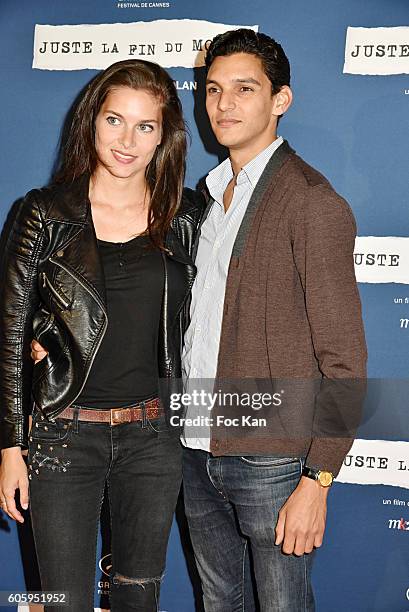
(217, 237)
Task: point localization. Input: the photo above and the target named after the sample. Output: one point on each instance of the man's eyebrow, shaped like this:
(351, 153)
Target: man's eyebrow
(122, 117)
(245, 80)
(248, 80)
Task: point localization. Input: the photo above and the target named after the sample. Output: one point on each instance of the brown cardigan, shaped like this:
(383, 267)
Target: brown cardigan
(292, 312)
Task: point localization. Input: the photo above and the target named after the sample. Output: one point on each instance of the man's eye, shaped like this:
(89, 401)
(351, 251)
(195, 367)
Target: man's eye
(212, 90)
(113, 120)
(245, 89)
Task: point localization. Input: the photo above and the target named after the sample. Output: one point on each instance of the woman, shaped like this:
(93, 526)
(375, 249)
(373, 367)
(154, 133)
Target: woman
(98, 266)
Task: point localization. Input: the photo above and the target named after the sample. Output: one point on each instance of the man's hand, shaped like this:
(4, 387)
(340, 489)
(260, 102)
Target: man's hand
(301, 521)
(37, 351)
(13, 476)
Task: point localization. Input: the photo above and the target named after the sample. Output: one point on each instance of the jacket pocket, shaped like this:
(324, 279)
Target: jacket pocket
(54, 340)
(42, 323)
(61, 300)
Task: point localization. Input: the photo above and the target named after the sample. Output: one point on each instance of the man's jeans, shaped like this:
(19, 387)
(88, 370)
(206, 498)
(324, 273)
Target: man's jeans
(69, 464)
(232, 506)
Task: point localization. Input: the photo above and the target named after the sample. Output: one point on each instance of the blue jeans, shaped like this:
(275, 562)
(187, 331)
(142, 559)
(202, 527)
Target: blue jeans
(232, 506)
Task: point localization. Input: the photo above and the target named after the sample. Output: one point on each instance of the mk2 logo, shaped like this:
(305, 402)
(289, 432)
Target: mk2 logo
(399, 524)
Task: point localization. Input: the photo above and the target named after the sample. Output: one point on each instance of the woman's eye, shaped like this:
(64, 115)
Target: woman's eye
(146, 127)
(113, 120)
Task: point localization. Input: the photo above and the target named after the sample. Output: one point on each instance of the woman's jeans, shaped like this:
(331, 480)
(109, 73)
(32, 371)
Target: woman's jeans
(70, 462)
(232, 506)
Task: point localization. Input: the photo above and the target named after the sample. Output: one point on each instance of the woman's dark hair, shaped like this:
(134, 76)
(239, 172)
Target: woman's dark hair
(165, 173)
(275, 62)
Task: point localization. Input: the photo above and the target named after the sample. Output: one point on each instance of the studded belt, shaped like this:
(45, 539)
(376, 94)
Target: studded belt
(115, 416)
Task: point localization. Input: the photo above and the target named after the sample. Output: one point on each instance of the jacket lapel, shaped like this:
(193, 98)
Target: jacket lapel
(265, 183)
(69, 214)
(209, 203)
(262, 194)
(175, 248)
(69, 202)
(180, 274)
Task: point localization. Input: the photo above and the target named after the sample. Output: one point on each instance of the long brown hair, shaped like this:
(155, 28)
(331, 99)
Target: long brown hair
(166, 171)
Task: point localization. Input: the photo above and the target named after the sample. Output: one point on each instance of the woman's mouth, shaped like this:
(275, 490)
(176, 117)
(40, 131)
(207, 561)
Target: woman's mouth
(123, 158)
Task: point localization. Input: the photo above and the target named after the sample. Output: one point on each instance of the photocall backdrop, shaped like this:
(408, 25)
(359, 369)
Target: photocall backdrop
(350, 67)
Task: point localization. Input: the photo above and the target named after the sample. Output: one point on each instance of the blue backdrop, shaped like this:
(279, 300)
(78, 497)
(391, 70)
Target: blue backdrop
(353, 128)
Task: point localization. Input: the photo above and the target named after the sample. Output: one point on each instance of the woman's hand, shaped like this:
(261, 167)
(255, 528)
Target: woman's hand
(37, 351)
(13, 476)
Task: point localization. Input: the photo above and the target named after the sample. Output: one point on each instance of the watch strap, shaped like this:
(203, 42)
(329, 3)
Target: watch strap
(324, 478)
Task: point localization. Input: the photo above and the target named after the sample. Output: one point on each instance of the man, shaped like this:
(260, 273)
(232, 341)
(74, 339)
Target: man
(275, 298)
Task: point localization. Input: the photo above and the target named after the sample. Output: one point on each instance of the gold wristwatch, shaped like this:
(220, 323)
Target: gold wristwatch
(324, 478)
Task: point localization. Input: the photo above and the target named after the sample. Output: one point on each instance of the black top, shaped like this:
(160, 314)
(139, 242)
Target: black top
(125, 369)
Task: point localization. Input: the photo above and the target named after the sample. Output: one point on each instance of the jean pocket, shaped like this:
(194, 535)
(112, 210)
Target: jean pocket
(48, 446)
(158, 425)
(268, 461)
(50, 432)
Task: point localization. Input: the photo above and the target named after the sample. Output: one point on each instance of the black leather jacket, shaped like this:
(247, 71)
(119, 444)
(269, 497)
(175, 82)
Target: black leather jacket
(52, 288)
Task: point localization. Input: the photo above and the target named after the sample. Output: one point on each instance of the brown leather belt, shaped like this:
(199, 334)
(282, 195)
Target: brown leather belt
(115, 416)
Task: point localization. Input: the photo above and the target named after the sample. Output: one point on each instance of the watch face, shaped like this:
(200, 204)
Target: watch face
(325, 478)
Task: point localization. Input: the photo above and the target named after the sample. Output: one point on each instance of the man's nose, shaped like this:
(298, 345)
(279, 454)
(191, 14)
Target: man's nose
(226, 101)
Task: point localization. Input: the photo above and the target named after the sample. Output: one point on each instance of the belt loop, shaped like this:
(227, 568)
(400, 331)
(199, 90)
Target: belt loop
(144, 417)
(76, 411)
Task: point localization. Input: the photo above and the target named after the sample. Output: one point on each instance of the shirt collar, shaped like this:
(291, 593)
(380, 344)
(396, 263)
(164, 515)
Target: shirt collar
(218, 179)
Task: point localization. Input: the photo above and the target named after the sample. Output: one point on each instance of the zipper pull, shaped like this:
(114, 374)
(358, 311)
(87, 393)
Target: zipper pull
(44, 280)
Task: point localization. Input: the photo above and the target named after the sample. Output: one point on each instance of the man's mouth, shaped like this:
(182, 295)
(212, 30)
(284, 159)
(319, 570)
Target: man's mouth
(226, 123)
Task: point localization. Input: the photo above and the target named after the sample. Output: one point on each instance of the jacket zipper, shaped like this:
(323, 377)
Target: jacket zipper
(57, 296)
(98, 300)
(47, 326)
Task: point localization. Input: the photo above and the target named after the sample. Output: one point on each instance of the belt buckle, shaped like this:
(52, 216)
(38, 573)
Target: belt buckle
(118, 416)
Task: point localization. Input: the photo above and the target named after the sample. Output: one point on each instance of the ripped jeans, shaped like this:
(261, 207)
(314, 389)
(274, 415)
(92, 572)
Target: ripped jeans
(69, 464)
